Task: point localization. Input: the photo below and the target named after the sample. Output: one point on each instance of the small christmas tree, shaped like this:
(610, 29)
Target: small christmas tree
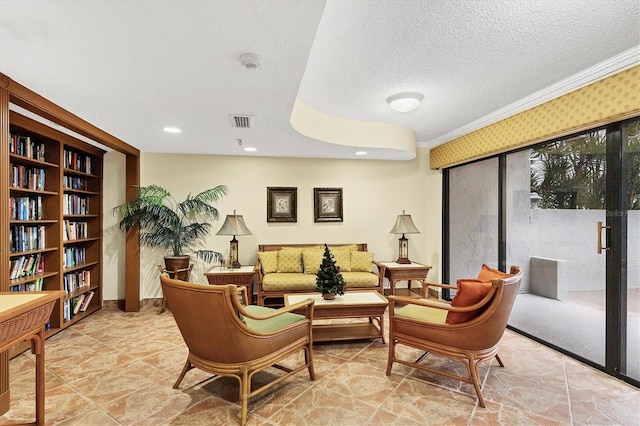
(328, 278)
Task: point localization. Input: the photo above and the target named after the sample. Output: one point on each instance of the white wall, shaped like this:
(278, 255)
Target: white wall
(113, 248)
(374, 193)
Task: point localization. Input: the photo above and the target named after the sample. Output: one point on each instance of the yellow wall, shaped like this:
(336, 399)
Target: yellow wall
(374, 193)
(611, 99)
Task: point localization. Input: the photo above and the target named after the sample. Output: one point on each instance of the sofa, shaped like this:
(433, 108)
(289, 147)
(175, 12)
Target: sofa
(291, 268)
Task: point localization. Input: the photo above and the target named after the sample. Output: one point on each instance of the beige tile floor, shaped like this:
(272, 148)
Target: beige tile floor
(116, 368)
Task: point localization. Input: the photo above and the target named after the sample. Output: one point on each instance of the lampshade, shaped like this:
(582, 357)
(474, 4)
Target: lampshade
(404, 225)
(405, 102)
(234, 225)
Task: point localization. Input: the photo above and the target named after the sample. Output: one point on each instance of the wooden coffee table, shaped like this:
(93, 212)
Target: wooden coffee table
(353, 304)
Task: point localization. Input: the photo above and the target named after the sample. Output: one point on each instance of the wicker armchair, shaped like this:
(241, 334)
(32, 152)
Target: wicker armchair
(227, 338)
(421, 324)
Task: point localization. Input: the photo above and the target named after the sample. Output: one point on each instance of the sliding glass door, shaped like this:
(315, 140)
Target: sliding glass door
(568, 213)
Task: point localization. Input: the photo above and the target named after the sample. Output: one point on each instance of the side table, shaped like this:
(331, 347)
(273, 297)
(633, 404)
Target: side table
(242, 276)
(395, 272)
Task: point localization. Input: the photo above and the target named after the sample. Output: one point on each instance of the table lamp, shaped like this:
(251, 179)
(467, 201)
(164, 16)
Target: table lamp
(404, 225)
(234, 225)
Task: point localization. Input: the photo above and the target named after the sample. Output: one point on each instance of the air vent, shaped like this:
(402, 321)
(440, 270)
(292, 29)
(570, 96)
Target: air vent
(243, 121)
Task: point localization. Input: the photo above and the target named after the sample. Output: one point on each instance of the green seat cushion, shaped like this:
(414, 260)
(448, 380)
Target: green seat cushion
(270, 324)
(423, 313)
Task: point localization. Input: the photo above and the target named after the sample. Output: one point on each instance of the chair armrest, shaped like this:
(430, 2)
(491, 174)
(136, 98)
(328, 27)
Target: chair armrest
(453, 287)
(309, 303)
(446, 306)
(243, 291)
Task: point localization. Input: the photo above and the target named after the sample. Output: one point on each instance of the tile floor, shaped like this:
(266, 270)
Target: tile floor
(116, 368)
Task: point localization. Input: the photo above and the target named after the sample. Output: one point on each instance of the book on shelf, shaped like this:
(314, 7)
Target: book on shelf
(86, 301)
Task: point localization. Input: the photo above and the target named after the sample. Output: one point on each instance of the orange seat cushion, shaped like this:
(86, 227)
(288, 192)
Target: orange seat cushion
(469, 292)
(487, 273)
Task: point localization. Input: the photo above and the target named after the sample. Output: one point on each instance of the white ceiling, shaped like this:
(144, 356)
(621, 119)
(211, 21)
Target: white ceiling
(134, 67)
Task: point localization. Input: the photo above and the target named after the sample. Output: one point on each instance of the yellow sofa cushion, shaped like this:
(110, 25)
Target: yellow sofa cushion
(290, 261)
(361, 261)
(288, 281)
(360, 279)
(312, 259)
(348, 247)
(343, 260)
(269, 261)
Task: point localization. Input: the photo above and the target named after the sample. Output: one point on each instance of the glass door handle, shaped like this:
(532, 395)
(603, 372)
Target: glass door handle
(600, 228)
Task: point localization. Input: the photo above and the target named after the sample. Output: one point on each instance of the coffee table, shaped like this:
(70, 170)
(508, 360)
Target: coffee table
(353, 304)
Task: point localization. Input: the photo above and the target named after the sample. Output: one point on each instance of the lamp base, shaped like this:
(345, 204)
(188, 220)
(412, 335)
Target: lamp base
(235, 265)
(403, 261)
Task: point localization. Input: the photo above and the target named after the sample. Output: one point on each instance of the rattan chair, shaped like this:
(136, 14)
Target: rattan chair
(227, 338)
(470, 342)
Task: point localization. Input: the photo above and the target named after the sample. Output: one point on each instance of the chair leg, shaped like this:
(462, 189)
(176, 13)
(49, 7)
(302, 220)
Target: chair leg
(392, 354)
(187, 367)
(308, 357)
(499, 361)
(472, 367)
(245, 388)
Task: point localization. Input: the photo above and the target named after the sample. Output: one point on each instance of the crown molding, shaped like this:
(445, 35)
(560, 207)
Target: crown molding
(613, 65)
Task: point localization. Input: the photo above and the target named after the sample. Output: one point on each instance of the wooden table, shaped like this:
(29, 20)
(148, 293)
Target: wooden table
(353, 304)
(23, 316)
(395, 272)
(239, 276)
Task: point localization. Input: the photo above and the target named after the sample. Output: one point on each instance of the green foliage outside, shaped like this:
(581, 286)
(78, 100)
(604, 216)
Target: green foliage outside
(328, 278)
(570, 173)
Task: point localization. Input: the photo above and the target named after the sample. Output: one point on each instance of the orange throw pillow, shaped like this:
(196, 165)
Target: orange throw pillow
(487, 273)
(469, 293)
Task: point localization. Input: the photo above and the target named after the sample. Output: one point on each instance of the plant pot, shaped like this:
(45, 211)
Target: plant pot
(328, 296)
(178, 267)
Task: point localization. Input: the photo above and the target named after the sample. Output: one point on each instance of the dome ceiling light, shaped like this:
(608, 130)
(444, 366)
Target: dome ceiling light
(405, 102)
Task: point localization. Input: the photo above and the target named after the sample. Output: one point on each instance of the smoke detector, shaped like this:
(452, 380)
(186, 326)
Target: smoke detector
(250, 61)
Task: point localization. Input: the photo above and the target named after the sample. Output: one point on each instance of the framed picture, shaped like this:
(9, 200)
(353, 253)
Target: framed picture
(327, 204)
(282, 204)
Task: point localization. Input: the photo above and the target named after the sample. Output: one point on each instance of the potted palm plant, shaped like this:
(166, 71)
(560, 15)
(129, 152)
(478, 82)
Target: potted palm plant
(174, 226)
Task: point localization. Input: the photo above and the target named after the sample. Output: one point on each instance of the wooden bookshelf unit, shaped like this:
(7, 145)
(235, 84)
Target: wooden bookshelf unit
(55, 225)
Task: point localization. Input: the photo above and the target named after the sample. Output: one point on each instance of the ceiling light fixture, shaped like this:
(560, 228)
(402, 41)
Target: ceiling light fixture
(250, 149)
(405, 102)
(171, 129)
(361, 152)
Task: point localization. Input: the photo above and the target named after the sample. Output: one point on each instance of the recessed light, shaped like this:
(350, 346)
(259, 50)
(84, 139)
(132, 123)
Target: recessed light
(405, 102)
(361, 152)
(171, 129)
(250, 149)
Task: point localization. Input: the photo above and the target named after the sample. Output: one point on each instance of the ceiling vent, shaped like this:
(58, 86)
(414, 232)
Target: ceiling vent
(242, 121)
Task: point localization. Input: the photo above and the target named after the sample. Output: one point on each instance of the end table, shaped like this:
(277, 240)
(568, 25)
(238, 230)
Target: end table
(242, 276)
(395, 272)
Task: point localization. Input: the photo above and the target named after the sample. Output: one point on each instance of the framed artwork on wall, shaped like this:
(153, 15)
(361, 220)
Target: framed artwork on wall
(327, 204)
(282, 204)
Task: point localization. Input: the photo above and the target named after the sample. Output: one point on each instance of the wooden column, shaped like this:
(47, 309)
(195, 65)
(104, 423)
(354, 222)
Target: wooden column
(132, 290)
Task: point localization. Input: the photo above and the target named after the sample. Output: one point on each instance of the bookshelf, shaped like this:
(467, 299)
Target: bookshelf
(55, 225)
(41, 207)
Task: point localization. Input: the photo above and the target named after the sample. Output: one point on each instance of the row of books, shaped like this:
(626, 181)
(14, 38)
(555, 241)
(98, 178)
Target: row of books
(36, 285)
(25, 208)
(23, 145)
(77, 304)
(23, 238)
(74, 230)
(74, 182)
(75, 204)
(74, 256)
(27, 177)
(25, 266)
(75, 280)
(79, 162)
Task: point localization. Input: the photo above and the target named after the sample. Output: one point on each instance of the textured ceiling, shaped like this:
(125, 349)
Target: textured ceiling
(133, 67)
